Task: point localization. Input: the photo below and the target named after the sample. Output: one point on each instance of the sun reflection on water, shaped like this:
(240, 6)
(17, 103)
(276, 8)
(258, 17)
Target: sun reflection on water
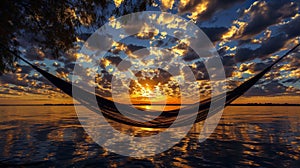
(245, 136)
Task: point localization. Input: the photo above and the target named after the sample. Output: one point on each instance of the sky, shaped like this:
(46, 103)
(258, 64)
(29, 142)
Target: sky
(248, 35)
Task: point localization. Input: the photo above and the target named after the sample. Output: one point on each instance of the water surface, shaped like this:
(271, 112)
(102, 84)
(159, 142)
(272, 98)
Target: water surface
(41, 136)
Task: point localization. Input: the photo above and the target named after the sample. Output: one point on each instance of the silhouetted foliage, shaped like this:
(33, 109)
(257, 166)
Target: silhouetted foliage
(53, 26)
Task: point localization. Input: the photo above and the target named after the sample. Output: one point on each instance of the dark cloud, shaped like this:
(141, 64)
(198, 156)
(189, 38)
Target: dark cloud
(270, 89)
(55, 64)
(200, 71)
(34, 54)
(103, 92)
(134, 48)
(257, 67)
(267, 47)
(159, 76)
(62, 70)
(121, 64)
(229, 65)
(16, 79)
(214, 33)
(25, 69)
(228, 61)
(211, 8)
(253, 67)
(290, 80)
(294, 60)
(115, 60)
(41, 81)
(166, 42)
(222, 51)
(229, 70)
(291, 28)
(70, 66)
(244, 54)
(84, 36)
(130, 48)
(264, 14)
(190, 55)
(271, 45)
(9, 91)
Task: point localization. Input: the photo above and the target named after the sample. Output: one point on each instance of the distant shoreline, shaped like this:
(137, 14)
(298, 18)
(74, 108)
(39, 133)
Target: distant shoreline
(250, 104)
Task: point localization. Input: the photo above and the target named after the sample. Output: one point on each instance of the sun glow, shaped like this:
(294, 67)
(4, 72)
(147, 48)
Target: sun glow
(148, 92)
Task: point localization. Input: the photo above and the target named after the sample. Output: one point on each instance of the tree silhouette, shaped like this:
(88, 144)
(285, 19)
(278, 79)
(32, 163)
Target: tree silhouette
(53, 26)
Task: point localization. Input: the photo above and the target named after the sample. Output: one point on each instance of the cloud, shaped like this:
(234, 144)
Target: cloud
(34, 54)
(259, 16)
(167, 4)
(244, 54)
(8, 91)
(204, 9)
(267, 47)
(292, 27)
(115, 60)
(55, 64)
(229, 65)
(253, 67)
(14, 78)
(271, 45)
(214, 33)
(130, 49)
(272, 88)
(24, 69)
(190, 55)
(228, 60)
(248, 43)
(294, 61)
(98, 42)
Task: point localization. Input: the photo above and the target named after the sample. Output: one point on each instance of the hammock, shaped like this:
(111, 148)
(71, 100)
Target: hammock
(165, 118)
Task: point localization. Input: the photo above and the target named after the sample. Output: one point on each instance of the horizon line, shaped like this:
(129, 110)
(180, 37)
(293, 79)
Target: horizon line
(145, 104)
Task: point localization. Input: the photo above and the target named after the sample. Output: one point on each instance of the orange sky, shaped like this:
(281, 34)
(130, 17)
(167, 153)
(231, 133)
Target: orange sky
(40, 99)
